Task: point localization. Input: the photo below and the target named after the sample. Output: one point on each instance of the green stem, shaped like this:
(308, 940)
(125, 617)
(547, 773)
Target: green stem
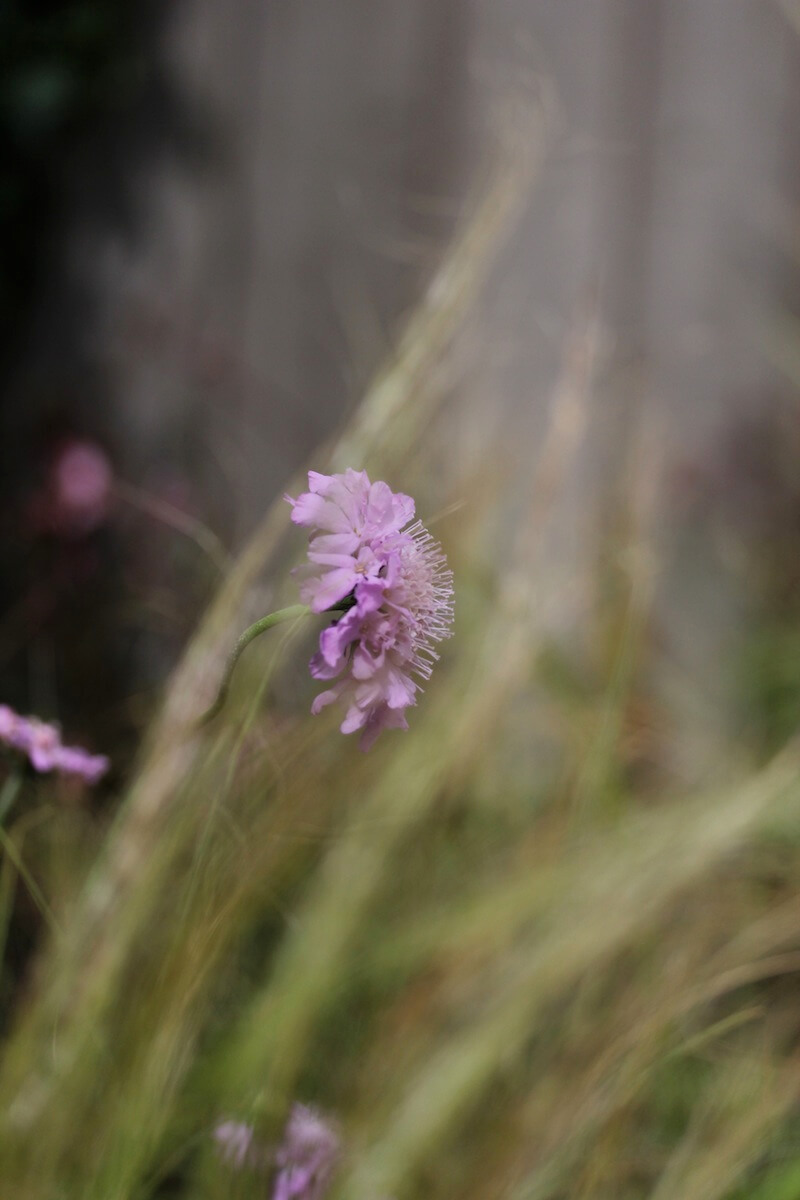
(9, 793)
(254, 631)
(33, 887)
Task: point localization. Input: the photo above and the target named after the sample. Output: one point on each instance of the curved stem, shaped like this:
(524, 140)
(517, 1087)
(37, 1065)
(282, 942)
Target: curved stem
(252, 632)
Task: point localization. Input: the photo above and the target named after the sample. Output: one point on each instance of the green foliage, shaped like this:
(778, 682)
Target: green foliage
(771, 682)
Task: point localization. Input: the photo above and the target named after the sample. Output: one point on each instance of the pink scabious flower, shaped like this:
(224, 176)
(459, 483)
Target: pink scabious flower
(366, 557)
(41, 744)
(307, 1158)
(304, 1161)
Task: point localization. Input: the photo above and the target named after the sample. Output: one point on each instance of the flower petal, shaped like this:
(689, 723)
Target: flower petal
(325, 698)
(380, 718)
(355, 718)
(312, 510)
(328, 589)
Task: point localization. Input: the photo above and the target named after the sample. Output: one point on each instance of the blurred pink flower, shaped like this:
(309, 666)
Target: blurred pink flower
(307, 1158)
(393, 580)
(42, 745)
(77, 494)
(236, 1144)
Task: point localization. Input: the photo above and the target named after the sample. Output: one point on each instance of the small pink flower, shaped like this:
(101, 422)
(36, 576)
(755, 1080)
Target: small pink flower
(82, 483)
(42, 745)
(307, 1158)
(393, 579)
(41, 742)
(236, 1144)
(72, 760)
(76, 495)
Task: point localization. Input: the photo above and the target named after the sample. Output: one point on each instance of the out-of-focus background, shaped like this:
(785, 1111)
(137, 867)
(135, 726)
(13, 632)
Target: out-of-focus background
(216, 219)
(537, 261)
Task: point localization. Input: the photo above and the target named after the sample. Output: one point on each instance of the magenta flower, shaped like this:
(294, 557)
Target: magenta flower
(76, 495)
(42, 745)
(307, 1158)
(81, 485)
(391, 578)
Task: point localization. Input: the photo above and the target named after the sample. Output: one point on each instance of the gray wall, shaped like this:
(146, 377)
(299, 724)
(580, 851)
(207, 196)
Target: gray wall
(270, 282)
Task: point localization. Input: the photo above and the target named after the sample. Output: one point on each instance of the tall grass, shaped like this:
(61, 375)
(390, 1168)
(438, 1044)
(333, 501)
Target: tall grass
(504, 961)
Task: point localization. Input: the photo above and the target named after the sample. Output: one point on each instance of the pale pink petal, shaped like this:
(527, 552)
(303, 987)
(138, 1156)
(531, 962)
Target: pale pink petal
(404, 509)
(380, 718)
(380, 509)
(349, 492)
(364, 665)
(314, 511)
(355, 718)
(357, 484)
(399, 689)
(387, 512)
(319, 484)
(325, 698)
(335, 543)
(320, 669)
(334, 640)
(328, 589)
(329, 560)
(369, 691)
(369, 596)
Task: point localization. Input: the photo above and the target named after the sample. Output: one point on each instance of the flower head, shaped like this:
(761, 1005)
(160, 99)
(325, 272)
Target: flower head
(366, 556)
(236, 1144)
(307, 1158)
(82, 484)
(75, 497)
(41, 744)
